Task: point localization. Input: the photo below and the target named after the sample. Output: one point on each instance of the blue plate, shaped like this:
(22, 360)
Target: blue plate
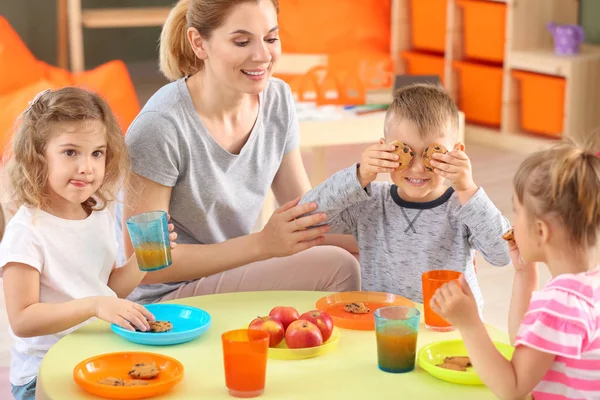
(188, 323)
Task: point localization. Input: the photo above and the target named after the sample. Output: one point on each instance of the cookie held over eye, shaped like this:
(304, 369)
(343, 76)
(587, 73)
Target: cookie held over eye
(405, 154)
(509, 235)
(428, 153)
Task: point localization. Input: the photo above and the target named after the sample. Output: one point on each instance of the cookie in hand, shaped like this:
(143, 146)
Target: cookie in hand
(428, 153)
(405, 154)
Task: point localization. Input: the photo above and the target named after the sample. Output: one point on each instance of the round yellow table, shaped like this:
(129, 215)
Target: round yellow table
(348, 372)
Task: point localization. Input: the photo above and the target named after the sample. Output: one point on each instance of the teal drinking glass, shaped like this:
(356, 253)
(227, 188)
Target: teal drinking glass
(397, 329)
(149, 233)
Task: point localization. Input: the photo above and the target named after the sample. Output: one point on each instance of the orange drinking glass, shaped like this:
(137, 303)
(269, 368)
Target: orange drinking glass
(432, 280)
(245, 357)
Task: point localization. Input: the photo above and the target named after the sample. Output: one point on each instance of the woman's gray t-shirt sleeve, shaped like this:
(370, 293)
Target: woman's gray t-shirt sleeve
(293, 134)
(153, 148)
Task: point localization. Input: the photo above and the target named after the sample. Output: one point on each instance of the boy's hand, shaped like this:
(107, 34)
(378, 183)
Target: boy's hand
(456, 304)
(455, 165)
(376, 159)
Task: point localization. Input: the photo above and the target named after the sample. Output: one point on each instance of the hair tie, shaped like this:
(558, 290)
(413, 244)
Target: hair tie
(33, 102)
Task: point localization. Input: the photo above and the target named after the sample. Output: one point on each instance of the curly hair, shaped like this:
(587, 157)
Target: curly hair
(27, 168)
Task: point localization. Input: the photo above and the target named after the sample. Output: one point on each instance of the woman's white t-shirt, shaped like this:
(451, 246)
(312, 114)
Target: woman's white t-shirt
(74, 258)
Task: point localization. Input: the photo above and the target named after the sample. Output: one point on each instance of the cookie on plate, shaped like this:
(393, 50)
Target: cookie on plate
(459, 360)
(110, 381)
(137, 382)
(357, 308)
(452, 366)
(428, 153)
(160, 326)
(144, 371)
(405, 154)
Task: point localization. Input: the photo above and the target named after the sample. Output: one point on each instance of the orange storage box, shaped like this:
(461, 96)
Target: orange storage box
(480, 92)
(542, 102)
(428, 24)
(484, 31)
(424, 64)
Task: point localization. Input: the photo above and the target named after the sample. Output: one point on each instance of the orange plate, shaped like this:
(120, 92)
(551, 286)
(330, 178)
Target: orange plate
(88, 372)
(334, 306)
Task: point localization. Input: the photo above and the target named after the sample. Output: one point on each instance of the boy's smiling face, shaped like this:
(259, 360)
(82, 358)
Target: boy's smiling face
(415, 183)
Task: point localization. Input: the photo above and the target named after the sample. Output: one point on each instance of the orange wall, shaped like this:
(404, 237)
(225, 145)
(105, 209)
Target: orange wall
(329, 26)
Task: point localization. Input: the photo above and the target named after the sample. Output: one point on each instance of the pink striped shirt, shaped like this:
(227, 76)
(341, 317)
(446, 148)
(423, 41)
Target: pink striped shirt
(564, 319)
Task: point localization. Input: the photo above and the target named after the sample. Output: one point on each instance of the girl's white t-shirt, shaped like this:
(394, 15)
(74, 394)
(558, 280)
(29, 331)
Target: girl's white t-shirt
(74, 258)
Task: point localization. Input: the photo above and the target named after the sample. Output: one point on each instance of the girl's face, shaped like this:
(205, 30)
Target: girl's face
(241, 53)
(76, 159)
(527, 235)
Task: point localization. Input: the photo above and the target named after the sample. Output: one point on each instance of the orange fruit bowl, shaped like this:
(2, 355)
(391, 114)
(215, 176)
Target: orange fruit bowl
(89, 372)
(334, 305)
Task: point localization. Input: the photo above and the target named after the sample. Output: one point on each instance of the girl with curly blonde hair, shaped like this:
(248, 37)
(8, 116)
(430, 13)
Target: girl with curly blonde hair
(57, 257)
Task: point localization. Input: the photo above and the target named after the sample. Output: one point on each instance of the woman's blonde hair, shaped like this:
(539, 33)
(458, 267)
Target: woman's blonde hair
(563, 183)
(177, 59)
(27, 168)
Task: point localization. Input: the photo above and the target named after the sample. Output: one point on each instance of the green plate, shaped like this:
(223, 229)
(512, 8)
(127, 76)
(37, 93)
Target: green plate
(435, 353)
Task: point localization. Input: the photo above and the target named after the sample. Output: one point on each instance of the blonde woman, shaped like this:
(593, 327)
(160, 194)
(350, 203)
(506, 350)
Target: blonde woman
(207, 148)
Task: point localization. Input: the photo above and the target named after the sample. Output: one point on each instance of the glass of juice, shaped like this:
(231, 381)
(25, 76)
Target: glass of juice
(432, 280)
(397, 329)
(149, 233)
(245, 357)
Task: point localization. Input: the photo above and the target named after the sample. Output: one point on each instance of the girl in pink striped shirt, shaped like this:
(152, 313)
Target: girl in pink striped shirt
(555, 330)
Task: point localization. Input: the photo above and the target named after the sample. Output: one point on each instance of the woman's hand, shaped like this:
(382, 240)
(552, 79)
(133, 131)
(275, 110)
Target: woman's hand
(172, 234)
(288, 233)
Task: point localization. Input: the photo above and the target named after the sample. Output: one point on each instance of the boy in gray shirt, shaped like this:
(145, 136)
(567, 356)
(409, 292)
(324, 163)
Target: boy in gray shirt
(417, 224)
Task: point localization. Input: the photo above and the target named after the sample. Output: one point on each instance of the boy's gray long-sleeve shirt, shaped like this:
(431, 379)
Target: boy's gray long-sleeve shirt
(399, 240)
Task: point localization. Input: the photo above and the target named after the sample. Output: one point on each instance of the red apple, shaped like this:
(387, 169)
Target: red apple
(270, 325)
(285, 315)
(322, 320)
(302, 334)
